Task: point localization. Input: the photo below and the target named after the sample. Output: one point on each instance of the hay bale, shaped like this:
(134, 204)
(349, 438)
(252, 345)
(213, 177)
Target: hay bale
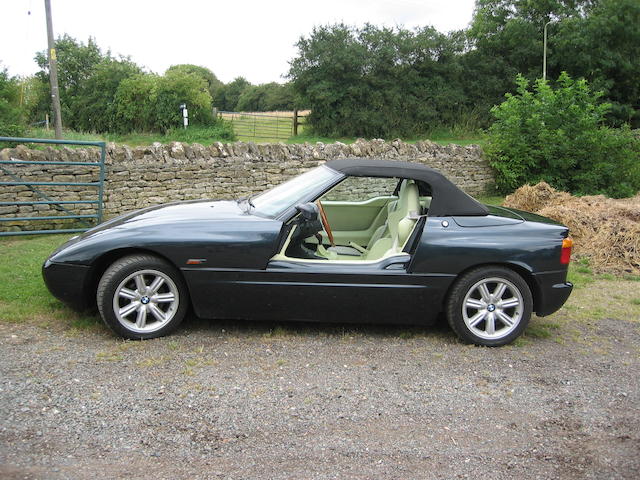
(605, 230)
(534, 197)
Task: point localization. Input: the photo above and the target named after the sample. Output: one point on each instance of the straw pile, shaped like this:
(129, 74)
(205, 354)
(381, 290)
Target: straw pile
(604, 230)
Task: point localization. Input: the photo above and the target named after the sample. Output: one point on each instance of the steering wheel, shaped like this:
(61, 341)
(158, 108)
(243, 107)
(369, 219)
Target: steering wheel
(325, 223)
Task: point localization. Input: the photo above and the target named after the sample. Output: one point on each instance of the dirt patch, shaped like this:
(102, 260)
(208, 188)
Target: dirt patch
(605, 230)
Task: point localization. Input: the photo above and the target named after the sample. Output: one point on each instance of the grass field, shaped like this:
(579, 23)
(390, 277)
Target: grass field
(204, 136)
(24, 297)
(270, 127)
(262, 126)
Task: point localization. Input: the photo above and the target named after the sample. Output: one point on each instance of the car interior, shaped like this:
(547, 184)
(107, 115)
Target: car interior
(362, 219)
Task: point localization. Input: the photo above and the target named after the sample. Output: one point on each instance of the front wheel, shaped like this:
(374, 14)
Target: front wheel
(142, 296)
(489, 306)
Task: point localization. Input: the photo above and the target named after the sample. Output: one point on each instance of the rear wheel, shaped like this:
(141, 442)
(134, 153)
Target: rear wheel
(142, 296)
(489, 306)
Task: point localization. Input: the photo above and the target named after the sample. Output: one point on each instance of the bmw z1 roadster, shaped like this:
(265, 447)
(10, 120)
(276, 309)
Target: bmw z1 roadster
(352, 240)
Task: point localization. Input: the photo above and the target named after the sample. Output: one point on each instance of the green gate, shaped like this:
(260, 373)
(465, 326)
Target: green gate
(64, 206)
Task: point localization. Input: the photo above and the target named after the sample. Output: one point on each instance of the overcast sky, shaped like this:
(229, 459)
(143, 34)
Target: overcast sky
(250, 38)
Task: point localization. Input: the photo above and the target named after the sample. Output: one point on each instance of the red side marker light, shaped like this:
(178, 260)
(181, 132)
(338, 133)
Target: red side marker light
(565, 255)
(196, 261)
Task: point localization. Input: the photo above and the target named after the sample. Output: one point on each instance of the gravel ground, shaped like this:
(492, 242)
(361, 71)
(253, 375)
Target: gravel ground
(245, 400)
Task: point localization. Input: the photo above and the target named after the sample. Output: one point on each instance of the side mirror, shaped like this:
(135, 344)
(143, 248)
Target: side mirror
(308, 211)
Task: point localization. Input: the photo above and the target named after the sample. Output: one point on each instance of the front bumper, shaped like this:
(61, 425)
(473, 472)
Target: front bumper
(553, 290)
(68, 283)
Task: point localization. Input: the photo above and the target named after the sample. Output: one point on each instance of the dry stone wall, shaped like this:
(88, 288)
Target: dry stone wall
(143, 176)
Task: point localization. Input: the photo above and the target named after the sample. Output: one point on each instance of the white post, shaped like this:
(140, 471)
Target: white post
(185, 115)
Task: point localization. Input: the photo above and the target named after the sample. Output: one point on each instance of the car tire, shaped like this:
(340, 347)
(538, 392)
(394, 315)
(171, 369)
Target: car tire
(489, 306)
(142, 296)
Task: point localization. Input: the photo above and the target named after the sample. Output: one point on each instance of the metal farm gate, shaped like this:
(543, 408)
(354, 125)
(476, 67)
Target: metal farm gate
(12, 169)
(267, 126)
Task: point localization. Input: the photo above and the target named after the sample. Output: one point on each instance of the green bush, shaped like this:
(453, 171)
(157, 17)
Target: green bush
(176, 87)
(557, 135)
(10, 130)
(11, 116)
(135, 102)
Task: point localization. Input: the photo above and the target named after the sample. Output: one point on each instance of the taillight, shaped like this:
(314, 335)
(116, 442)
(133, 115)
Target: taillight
(565, 254)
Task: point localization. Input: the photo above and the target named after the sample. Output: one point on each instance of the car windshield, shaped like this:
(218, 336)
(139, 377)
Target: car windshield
(276, 201)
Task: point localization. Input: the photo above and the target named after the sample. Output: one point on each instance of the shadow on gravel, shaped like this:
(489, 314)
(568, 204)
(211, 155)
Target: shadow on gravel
(198, 327)
(193, 325)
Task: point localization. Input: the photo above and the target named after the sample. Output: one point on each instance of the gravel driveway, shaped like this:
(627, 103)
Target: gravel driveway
(246, 400)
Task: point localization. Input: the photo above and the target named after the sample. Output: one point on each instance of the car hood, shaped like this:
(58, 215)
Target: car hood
(179, 215)
(180, 212)
(186, 212)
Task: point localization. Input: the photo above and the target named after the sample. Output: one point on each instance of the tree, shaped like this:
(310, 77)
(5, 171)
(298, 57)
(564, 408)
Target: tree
(213, 84)
(76, 63)
(228, 96)
(557, 135)
(376, 81)
(595, 39)
(37, 98)
(266, 98)
(279, 97)
(95, 106)
(11, 116)
(604, 48)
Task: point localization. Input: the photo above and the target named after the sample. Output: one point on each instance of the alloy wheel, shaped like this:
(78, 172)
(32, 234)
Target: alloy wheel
(492, 308)
(145, 301)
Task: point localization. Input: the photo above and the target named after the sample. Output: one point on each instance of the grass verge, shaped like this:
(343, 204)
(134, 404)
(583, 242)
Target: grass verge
(221, 132)
(23, 295)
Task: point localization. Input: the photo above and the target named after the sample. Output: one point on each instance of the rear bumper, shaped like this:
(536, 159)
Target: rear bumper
(67, 283)
(552, 292)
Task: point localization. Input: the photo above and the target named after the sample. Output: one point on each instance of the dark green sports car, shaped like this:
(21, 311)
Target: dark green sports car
(353, 240)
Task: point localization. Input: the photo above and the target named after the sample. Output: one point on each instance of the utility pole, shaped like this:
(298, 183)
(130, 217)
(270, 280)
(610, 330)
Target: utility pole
(53, 73)
(544, 54)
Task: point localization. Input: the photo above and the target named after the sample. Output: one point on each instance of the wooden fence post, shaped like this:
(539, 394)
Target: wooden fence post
(295, 123)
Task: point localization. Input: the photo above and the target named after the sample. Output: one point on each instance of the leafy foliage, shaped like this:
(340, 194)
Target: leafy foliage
(177, 87)
(557, 135)
(135, 102)
(603, 47)
(227, 96)
(594, 39)
(384, 82)
(76, 63)
(11, 118)
(94, 106)
(375, 81)
(100, 93)
(213, 84)
(266, 98)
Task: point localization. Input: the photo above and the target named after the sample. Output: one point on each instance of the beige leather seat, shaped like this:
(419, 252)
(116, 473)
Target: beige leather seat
(391, 237)
(400, 223)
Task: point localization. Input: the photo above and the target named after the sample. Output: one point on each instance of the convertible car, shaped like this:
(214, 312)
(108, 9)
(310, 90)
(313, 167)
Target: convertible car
(352, 240)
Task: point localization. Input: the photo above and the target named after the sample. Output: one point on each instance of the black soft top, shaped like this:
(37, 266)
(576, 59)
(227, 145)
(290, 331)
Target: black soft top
(447, 199)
